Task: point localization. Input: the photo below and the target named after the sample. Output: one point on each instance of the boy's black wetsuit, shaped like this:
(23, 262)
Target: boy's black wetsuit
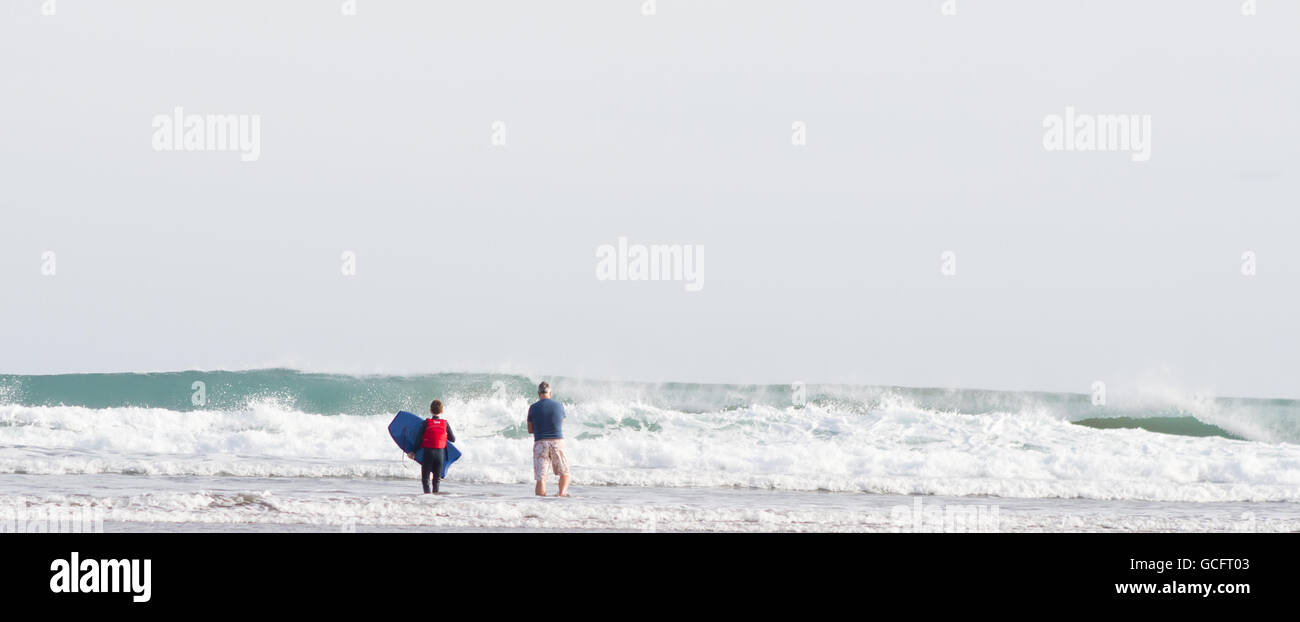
(433, 459)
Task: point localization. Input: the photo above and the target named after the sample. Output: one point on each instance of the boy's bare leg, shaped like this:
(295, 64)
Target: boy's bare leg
(564, 485)
(541, 488)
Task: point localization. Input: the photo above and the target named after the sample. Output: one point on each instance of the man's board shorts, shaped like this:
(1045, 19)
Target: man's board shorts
(551, 451)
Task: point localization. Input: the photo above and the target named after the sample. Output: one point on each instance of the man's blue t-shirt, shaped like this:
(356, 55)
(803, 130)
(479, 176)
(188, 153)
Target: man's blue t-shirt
(546, 416)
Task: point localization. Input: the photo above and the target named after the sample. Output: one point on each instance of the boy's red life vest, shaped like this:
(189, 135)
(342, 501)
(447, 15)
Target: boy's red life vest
(435, 434)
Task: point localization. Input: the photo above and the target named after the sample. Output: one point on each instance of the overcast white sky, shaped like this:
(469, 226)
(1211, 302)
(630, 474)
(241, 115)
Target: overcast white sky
(822, 261)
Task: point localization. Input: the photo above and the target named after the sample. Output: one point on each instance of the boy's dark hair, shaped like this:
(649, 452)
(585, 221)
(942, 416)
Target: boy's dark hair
(436, 407)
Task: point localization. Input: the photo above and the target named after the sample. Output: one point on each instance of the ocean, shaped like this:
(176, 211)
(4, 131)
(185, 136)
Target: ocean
(287, 450)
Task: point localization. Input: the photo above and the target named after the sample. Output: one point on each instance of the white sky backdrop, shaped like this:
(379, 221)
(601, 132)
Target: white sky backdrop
(821, 262)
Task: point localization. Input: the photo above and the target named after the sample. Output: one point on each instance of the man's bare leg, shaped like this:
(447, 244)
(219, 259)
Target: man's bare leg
(541, 487)
(564, 486)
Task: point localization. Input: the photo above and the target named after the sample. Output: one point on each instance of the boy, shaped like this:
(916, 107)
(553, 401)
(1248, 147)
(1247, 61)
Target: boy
(435, 434)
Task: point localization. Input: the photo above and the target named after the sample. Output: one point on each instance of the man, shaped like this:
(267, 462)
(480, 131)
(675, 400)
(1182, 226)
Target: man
(544, 419)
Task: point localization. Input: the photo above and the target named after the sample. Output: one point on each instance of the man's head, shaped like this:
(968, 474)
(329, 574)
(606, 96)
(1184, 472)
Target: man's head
(435, 408)
(544, 389)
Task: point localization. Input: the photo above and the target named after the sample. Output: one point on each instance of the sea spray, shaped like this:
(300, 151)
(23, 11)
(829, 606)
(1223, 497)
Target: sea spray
(850, 439)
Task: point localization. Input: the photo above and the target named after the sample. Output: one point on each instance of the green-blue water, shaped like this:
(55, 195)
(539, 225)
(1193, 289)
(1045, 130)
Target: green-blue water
(1273, 420)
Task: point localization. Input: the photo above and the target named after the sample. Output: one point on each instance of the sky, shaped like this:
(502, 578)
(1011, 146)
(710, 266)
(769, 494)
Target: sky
(473, 156)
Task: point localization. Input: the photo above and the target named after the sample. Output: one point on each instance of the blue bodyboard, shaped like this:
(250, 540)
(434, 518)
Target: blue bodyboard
(452, 455)
(405, 430)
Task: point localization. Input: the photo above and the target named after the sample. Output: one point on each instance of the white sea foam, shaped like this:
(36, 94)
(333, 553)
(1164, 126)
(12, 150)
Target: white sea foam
(895, 447)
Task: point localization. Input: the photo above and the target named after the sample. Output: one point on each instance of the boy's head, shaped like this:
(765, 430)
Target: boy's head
(435, 408)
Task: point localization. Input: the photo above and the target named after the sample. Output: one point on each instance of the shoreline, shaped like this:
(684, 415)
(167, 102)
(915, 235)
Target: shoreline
(134, 503)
